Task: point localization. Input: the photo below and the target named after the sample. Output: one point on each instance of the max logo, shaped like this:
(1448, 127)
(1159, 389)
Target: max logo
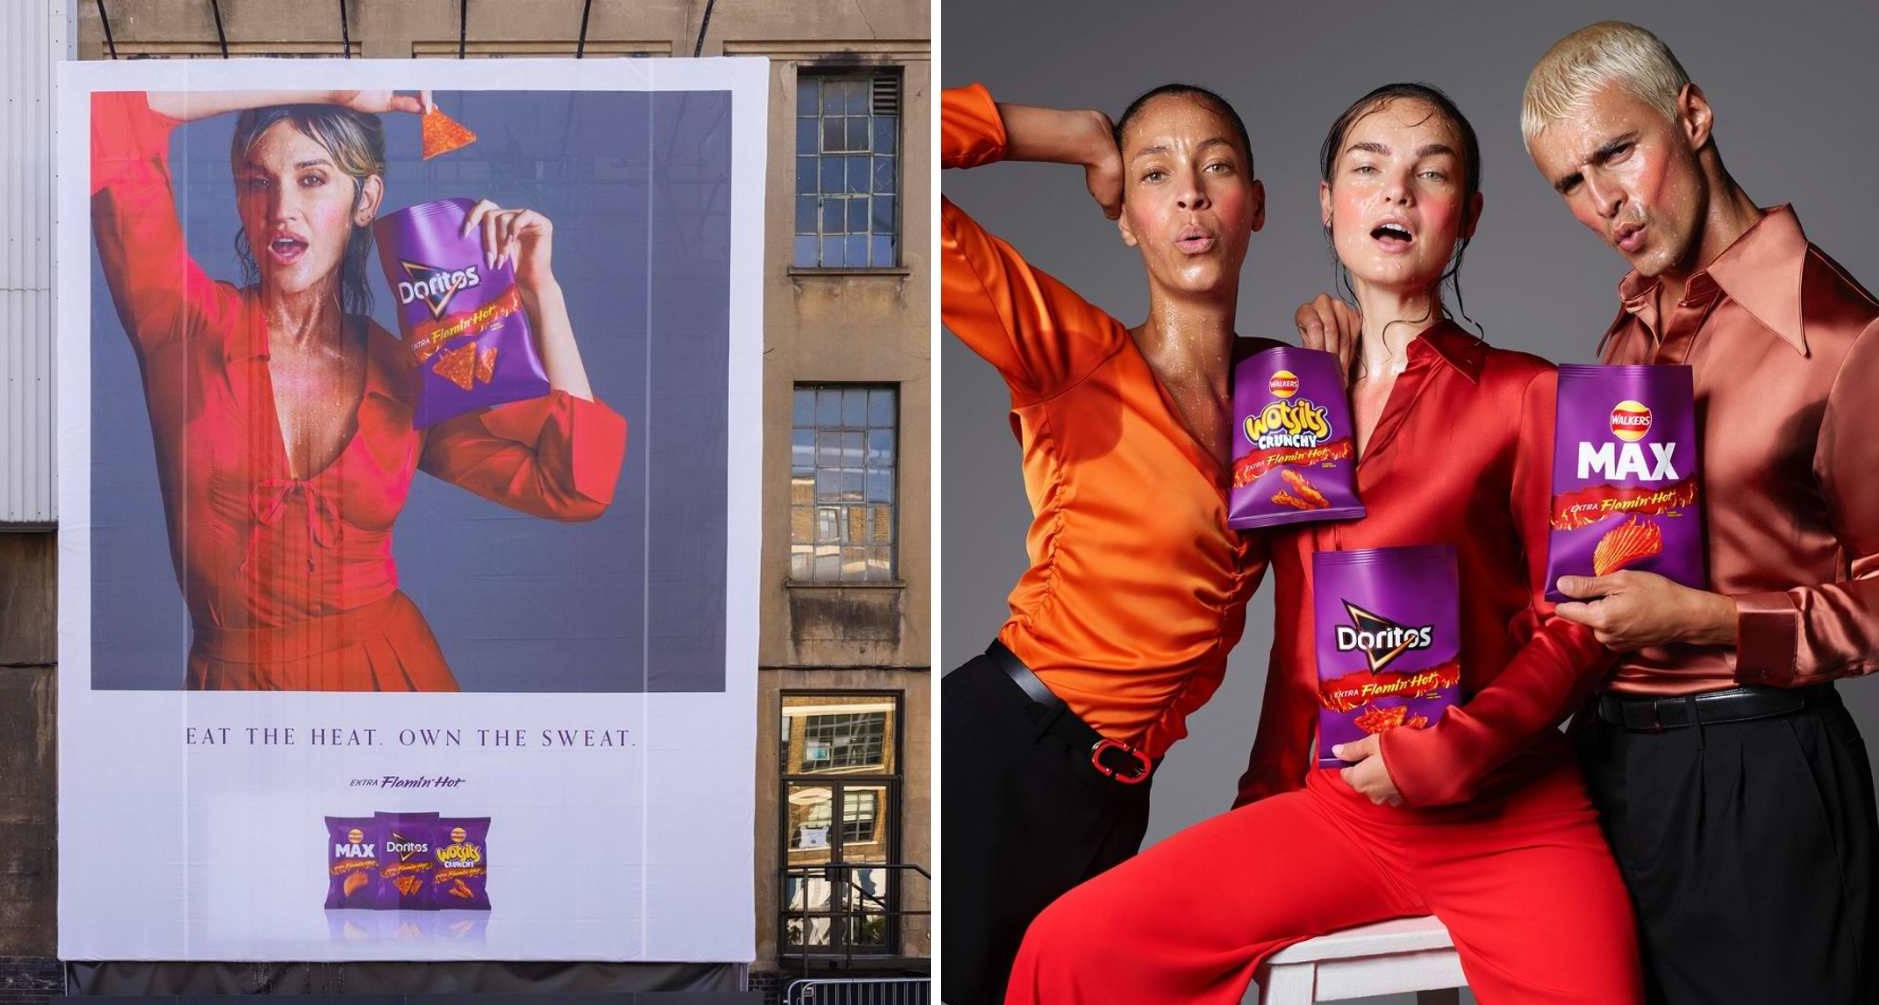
(435, 286)
(1380, 639)
(352, 851)
(1628, 461)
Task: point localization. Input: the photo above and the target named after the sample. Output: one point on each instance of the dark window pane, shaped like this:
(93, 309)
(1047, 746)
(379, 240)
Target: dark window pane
(828, 487)
(833, 138)
(828, 449)
(832, 216)
(852, 487)
(828, 406)
(805, 214)
(883, 219)
(884, 174)
(831, 175)
(806, 175)
(881, 407)
(857, 134)
(852, 449)
(804, 411)
(806, 136)
(857, 175)
(859, 92)
(886, 131)
(881, 486)
(858, 216)
(880, 448)
(808, 95)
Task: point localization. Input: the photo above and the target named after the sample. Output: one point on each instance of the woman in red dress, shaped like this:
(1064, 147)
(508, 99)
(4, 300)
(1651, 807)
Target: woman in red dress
(1481, 819)
(282, 414)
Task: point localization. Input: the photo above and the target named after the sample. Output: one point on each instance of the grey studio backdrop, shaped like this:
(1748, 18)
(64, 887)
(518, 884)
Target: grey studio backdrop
(1791, 85)
(635, 185)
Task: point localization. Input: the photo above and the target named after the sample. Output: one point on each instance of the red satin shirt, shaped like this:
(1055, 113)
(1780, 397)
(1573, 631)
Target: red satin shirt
(1461, 455)
(254, 546)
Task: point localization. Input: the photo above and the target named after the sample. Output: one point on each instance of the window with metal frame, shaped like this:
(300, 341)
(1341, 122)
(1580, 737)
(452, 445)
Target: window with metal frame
(847, 169)
(842, 508)
(840, 817)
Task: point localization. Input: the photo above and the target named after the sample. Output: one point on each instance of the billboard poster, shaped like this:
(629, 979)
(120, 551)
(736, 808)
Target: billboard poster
(408, 423)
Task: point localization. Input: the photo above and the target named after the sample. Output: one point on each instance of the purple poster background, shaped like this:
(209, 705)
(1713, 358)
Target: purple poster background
(637, 185)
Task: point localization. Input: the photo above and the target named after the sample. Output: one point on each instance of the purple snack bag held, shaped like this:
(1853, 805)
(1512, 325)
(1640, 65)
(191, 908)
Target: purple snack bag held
(1625, 488)
(462, 321)
(1388, 630)
(1294, 457)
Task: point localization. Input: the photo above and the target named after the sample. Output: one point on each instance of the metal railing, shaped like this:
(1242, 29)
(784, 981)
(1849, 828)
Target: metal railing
(859, 991)
(850, 910)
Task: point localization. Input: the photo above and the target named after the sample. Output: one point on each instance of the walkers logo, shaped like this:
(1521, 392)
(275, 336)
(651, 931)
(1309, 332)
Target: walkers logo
(1284, 384)
(1631, 420)
(1381, 640)
(435, 286)
(355, 846)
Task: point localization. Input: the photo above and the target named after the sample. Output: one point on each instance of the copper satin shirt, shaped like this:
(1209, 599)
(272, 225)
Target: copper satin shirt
(1137, 587)
(1462, 455)
(1784, 346)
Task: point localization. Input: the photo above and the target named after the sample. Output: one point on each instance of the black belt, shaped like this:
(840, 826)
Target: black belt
(1111, 758)
(1647, 714)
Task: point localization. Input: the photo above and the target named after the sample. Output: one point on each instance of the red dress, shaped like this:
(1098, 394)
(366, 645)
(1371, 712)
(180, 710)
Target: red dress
(289, 581)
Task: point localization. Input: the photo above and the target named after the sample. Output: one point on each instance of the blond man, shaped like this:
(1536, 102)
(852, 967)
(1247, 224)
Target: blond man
(1733, 785)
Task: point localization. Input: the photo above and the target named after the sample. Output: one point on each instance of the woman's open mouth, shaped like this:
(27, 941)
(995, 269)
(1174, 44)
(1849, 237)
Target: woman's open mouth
(1195, 242)
(1393, 236)
(286, 250)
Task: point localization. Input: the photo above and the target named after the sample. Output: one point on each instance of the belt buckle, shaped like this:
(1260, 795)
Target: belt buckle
(1141, 760)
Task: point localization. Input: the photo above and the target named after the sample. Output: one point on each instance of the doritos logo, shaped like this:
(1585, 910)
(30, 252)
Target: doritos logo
(405, 848)
(434, 286)
(1380, 639)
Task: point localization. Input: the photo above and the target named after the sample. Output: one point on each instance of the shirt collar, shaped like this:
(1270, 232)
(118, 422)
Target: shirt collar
(1761, 271)
(1465, 353)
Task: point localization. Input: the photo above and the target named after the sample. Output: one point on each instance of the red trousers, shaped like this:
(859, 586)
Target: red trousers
(1524, 882)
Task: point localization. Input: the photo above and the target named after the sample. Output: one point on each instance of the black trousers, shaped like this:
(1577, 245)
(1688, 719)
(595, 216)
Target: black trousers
(1749, 850)
(1025, 818)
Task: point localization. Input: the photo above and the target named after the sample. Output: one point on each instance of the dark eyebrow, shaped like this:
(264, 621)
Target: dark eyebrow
(1432, 149)
(317, 162)
(1568, 182)
(1369, 147)
(1609, 149)
(1161, 148)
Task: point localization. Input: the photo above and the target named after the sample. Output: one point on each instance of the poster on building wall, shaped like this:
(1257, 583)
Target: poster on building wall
(409, 457)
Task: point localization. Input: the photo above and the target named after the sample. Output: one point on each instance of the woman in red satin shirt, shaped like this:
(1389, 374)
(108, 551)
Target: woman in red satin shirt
(1481, 819)
(282, 415)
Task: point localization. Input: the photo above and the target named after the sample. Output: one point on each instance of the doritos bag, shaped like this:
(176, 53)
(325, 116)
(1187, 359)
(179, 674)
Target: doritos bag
(462, 321)
(461, 877)
(1388, 641)
(352, 862)
(1294, 454)
(1625, 488)
(406, 861)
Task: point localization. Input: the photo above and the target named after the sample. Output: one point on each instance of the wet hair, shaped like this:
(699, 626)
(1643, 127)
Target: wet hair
(356, 142)
(1592, 58)
(1201, 94)
(1471, 170)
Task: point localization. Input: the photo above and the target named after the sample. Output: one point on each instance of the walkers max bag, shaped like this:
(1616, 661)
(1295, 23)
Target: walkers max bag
(1294, 456)
(352, 862)
(1625, 490)
(462, 321)
(1388, 641)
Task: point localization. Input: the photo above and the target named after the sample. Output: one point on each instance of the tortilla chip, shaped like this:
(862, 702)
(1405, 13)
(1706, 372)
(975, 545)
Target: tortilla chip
(458, 365)
(486, 365)
(442, 134)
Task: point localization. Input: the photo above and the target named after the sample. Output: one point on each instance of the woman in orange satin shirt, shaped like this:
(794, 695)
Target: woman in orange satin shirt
(282, 414)
(1481, 819)
(1137, 587)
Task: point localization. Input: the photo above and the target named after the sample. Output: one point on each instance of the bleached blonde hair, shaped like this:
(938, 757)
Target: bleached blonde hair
(1579, 65)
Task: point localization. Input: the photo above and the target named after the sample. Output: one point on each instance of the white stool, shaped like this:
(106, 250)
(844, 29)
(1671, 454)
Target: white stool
(1407, 954)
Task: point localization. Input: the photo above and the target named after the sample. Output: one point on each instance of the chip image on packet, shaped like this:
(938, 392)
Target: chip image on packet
(461, 877)
(352, 866)
(406, 860)
(1625, 489)
(1294, 456)
(461, 319)
(1388, 634)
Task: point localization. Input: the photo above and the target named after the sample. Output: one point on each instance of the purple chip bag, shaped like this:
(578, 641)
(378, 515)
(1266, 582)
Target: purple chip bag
(461, 319)
(461, 878)
(1625, 487)
(406, 861)
(1294, 458)
(352, 862)
(1389, 640)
